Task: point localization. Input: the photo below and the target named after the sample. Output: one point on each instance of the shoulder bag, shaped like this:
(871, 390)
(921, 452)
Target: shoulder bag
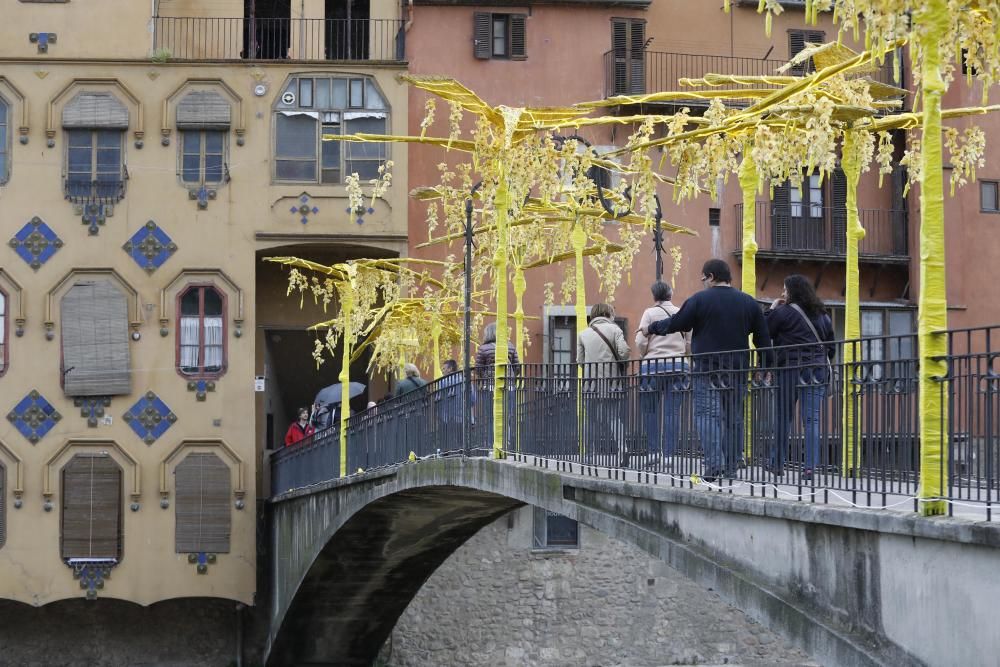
(812, 328)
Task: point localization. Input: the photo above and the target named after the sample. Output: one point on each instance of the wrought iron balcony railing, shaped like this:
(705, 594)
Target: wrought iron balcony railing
(628, 72)
(206, 38)
(821, 231)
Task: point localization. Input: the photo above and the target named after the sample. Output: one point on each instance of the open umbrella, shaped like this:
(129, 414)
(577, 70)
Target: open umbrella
(331, 395)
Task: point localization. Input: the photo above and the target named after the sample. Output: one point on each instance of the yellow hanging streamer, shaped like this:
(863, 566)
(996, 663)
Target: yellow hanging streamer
(500, 261)
(852, 297)
(346, 307)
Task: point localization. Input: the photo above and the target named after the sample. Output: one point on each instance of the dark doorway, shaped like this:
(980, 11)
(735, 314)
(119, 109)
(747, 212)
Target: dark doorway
(266, 29)
(347, 29)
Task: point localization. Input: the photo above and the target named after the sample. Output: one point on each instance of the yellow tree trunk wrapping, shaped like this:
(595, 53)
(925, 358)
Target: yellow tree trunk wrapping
(520, 286)
(852, 299)
(346, 307)
(749, 184)
(579, 240)
(502, 202)
(436, 334)
(932, 314)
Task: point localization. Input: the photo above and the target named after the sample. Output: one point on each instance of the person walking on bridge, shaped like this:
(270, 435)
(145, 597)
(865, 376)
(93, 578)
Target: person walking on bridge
(722, 319)
(299, 430)
(603, 351)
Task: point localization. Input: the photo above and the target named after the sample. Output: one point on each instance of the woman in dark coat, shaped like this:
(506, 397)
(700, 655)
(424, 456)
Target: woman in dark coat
(798, 318)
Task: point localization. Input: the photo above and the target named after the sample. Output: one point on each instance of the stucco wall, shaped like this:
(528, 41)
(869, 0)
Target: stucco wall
(496, 601)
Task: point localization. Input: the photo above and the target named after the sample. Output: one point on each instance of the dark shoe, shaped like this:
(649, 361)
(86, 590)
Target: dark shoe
(807, 475)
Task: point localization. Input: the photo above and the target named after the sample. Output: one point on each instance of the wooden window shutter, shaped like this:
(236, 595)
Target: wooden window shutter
(797, 40)
(482, 33)
(91, 507)
(518, 37)
(838, 197)
(95, 340)
(619, 45)
(637, 58)
(203, 484)
(781, 216)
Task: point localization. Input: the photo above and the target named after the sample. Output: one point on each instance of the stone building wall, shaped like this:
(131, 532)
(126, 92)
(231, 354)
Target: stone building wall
(498, 601)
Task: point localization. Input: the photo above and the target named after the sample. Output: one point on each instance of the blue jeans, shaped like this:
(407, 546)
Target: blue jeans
(719, 397)
(662, 390)
(795, 387)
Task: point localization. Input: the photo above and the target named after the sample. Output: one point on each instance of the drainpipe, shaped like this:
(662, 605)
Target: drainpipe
(239, 633)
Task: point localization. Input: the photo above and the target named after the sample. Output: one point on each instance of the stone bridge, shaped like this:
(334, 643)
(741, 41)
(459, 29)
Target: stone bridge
(850, 586)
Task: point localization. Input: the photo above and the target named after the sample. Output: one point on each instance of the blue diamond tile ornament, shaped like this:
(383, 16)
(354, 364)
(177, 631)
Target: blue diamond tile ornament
(36, 243)
(304, 209)
(150, 417)
(94, 215)
(150, 247)
(360, 212)
(201, 388)
(33, 416)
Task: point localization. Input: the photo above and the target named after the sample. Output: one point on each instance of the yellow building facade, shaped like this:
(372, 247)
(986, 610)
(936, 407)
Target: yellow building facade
(152, 156)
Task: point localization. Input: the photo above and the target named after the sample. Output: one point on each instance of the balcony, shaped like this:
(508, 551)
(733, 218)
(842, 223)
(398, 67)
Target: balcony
(628, 72)
(198, 38)
(803, 232)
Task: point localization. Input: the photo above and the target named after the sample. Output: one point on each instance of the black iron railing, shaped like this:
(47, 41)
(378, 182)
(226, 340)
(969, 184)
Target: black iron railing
(822, 230)
(205, 38)
(780, 421)
(628, 72)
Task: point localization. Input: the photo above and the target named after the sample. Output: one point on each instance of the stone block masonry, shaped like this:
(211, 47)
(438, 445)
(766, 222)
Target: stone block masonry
(497, 601)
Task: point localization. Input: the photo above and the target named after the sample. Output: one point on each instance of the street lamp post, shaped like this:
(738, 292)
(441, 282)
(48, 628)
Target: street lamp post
(467, 338)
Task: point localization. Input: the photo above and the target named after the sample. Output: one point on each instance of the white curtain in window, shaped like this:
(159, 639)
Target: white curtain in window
(213, 342)
(189, 342)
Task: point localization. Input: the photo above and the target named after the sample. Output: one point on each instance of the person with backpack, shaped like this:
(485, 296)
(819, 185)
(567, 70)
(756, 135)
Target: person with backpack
(663, 370)
(603, 350)
(798, 318)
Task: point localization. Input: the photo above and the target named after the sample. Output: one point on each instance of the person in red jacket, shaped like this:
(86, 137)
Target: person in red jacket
(299, 430)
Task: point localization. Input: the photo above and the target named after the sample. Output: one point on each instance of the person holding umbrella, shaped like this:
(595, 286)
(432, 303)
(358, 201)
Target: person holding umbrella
(300, 429)
(326, 405)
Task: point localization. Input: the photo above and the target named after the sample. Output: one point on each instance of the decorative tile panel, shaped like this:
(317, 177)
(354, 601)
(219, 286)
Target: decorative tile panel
(203, 195)
(150, 247)
(36, 243)
(150, 417)
(94, 215)
(200, 388)
(33, 416)
(92, 407)
(303, 210)
(360, 212)
(92, 573)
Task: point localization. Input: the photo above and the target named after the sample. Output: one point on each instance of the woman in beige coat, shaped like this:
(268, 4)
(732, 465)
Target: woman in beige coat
(600, 347)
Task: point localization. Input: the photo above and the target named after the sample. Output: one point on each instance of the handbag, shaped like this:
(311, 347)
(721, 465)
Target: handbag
(819, 339)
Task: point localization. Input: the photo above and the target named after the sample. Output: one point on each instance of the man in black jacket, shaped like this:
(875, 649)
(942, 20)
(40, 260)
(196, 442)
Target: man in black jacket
(722, 320)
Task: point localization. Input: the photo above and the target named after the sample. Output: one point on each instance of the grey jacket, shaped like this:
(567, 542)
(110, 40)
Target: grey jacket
(590, 348)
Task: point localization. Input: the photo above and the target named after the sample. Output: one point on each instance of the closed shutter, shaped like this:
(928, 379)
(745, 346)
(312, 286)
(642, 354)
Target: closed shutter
(838, 195)
(91, 507)
(481, 35)
(3, 505)
(628, 41)
(203, 483)
(203, 110)
(797, 40)
(95, 110)
(637, 54)
(95, 343)
(781, 219)
(518, 37)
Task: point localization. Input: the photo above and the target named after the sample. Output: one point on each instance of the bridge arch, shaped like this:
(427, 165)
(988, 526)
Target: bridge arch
(350, 554)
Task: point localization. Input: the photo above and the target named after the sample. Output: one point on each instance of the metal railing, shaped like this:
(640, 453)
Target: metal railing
(779, 420)
(206, 38)
(636, 73)
(822, 230)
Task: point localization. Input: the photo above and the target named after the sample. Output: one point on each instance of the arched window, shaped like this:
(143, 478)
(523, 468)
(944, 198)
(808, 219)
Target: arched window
(95, 340)
(312, 106)
(4, 141)
(95, 125)
(203, 119)
(91, 508)
(202, 506)
(201, 348)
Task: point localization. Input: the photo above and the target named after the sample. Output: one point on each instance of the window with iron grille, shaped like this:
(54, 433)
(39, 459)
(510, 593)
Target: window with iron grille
(95, 124)
(628, 46)
(202, 506)
(3, 332)
(4, 141)
(499, 36)
(989, 196)
(201, 348)
(317, 106)
(797, 40)
(91, 508)
(554, 531)
(95, 340)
